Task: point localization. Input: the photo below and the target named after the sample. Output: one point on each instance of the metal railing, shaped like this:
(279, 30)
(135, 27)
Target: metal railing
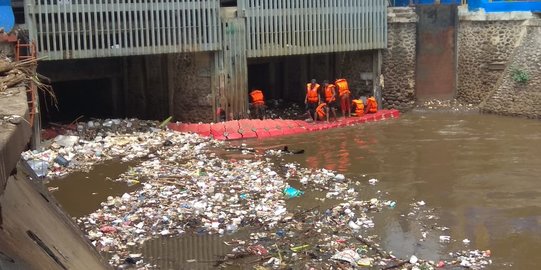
(290, 27)
(68, 29)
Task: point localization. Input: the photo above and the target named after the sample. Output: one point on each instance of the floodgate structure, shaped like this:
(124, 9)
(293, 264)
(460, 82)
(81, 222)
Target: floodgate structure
(180, 58)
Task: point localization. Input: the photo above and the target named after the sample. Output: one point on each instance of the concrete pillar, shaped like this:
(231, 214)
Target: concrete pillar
(376, 72)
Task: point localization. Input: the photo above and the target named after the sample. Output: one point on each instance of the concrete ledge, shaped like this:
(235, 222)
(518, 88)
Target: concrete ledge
(465, 15)
(35, 234)
(401, 15)
(13, 137)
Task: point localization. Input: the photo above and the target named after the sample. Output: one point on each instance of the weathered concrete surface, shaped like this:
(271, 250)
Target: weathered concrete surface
(520, 99)
(34, 233)
(399, 59)
(191, 81)
(13, 138)
(37, 235)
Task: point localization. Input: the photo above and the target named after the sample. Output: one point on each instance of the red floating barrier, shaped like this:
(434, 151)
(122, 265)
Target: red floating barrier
(262, 134)
(276, 132)
(246, 128)
(248, 134)
(232, 126)
(204, 130)
(234, 136)
(369, 118)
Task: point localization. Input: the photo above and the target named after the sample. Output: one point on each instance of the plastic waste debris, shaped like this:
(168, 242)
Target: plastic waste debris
(445, 238)
(66, 140)
(347, 255)
(60, 160)
(413, 259)
(373, 181)
(40, 167)
(300, 248)
(292, 192)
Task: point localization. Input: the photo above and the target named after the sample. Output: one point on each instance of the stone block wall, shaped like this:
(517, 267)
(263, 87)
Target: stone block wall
(484, 47)
(399, 65)
(517, 99)
(191, 79)
(350, 65)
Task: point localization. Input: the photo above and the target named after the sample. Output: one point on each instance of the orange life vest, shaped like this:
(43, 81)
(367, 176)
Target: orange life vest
(257, 97)
(372, 105)
(330, 93)
(359, 107)
(320, 110)
(343, 87)
(312, 93)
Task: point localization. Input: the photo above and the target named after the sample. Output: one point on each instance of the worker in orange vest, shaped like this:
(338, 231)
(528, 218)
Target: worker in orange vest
(258, 103)
(344, 94)
(330, 99)
(321, 112)
(371, 105)
(358, 106)
(312, 98)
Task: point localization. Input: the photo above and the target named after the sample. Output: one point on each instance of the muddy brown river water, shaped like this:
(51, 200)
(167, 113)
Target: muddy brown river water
(481, 174)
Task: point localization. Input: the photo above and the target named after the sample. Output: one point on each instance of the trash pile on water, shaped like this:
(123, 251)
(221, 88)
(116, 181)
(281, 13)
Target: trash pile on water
(186, 188)
(340, 237)
(97, 141)
(284, 110)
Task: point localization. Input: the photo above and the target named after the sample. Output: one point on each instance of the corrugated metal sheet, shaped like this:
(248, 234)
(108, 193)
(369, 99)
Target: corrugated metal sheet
(290, 27)
(104, 28)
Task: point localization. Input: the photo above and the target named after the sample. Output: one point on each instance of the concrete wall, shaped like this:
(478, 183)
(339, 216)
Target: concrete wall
(484, 47)
(145, 87)
(516, 99)
(351, 65)
(399, 60)
(191, 86)
(34, 232)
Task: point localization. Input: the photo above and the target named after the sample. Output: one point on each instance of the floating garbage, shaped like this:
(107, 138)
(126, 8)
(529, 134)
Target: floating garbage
(292, 192)
(348, 255)
(183, 188)
(40, 167)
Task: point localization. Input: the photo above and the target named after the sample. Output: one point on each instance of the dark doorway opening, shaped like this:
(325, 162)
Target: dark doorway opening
(86, 98)
(269, 77)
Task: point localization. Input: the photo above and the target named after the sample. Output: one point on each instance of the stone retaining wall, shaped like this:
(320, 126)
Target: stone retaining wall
(520, 99)
(484, 47)
(399, 60)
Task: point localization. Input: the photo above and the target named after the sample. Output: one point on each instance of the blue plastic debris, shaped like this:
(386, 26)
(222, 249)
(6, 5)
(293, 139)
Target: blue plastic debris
(292, 192)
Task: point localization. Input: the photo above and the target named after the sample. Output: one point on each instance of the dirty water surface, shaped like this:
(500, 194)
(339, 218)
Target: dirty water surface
(479, 174)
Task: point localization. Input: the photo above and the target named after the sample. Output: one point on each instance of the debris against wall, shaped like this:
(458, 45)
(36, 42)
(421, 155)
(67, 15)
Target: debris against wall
(518, 92)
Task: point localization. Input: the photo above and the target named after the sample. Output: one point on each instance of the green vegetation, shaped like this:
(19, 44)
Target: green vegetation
(519, 75)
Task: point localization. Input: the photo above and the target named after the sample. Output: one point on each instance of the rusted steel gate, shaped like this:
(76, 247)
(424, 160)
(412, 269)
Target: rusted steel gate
(104, 28)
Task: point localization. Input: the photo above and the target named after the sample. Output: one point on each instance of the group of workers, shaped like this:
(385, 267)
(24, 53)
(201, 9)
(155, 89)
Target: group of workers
(321, 102)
